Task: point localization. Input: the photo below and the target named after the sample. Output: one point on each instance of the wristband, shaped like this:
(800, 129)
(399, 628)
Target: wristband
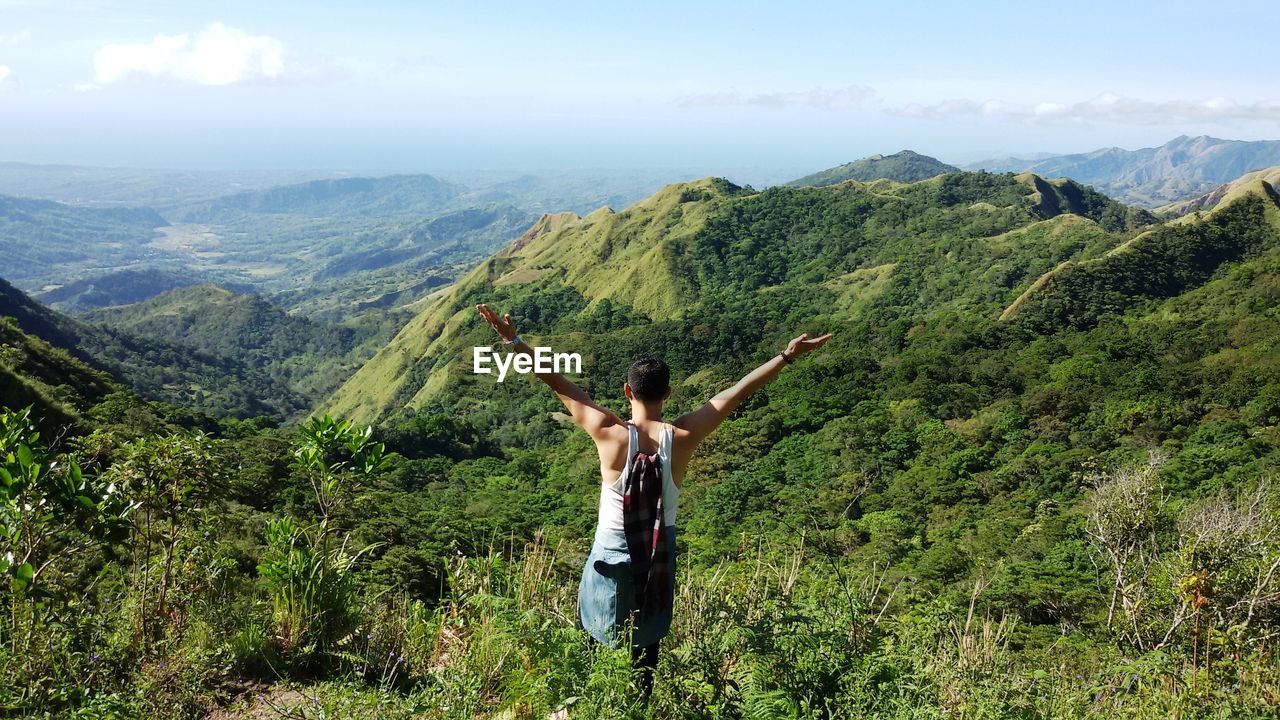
(786, 358)
(512, 341)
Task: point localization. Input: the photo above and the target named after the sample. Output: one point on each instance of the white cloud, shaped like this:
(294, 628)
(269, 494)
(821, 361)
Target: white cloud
(216, 55)
(821, 98)
(6, 77)
(1107, 107)
(16, 38)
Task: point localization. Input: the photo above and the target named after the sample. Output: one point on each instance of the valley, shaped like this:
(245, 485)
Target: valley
(1023, 370)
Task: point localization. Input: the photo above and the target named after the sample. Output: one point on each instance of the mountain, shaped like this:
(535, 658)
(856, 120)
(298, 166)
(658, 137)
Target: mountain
(306, 356)
(1009, 163)
(326, 247)
(579, 191)
(158, 370)
(1211, 199)
(57, 385)
(327, 266)
(905, 166)
(1182, 168)
(999, 340)
(1160, 263)
(332, 251)
(356, 196)
(163, 190)
(1040, 411)
(658, 266)
(42, 242)
(117, 288)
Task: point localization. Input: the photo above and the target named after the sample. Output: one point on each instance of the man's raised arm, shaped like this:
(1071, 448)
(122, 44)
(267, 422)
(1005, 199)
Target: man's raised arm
(585, 412)
(702, 422)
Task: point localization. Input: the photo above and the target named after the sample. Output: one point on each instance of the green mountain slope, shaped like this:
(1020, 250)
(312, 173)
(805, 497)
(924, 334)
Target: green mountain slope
(931, 436)
(1163, 262)
(57, 385)
(904, 166)
(1212, 199)
(694, 247)
(307, 356)
(158, 370)
(118, 288)
(940, 507)
(633, 257)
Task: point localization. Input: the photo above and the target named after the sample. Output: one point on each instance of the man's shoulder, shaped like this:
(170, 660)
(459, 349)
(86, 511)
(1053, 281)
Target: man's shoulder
(612, 434)
(678, 431)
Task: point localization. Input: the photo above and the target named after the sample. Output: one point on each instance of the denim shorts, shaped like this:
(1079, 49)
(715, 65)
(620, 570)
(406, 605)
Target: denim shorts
(606, 599)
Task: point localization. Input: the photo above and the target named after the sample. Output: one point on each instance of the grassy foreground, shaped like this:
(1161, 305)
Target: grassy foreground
(782, 629)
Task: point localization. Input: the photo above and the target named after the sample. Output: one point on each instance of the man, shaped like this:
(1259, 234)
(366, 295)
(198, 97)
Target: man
(628, 580)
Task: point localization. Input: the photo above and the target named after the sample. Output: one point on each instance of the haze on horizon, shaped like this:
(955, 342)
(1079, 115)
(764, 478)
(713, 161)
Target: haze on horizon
(702, 88)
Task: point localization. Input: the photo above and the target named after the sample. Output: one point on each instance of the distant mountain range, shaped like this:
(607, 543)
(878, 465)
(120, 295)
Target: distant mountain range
(905, 166)
(347, 197)
(129, 187)
(1182, 168)
(88, 238)
(42, 241)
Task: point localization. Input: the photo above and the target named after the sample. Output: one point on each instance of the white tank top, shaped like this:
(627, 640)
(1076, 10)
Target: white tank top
(610, 517)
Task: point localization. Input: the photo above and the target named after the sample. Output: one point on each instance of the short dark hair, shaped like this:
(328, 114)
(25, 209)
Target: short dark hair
(649, 378)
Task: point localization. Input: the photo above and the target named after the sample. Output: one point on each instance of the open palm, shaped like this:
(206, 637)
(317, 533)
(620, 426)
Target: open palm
(503, 325)
(804, 344)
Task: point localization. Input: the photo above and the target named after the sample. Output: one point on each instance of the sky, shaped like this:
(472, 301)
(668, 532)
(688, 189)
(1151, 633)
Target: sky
(699, 87)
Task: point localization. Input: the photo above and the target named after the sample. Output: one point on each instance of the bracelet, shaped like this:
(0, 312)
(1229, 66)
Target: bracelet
(512, 341)
(786, 358)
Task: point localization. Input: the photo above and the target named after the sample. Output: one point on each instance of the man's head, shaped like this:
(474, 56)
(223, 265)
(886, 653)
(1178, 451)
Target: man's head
(648, 380)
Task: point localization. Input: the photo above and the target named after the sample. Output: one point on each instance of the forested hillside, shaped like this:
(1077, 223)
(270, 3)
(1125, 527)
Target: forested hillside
(1031, 476)
(308, 357)
(961, 242)
(56, 385)
(41, 240)
(157, 369)
(905, 166)
(117, 288)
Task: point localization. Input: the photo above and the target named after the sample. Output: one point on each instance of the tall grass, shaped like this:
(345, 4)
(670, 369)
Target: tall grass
(181, 626)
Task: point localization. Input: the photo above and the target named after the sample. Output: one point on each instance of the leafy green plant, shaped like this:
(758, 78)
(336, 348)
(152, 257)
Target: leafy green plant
(335, 455)
(311, 579)
(50, 513)
(312, 591)
(41, 499)
(168, 480)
